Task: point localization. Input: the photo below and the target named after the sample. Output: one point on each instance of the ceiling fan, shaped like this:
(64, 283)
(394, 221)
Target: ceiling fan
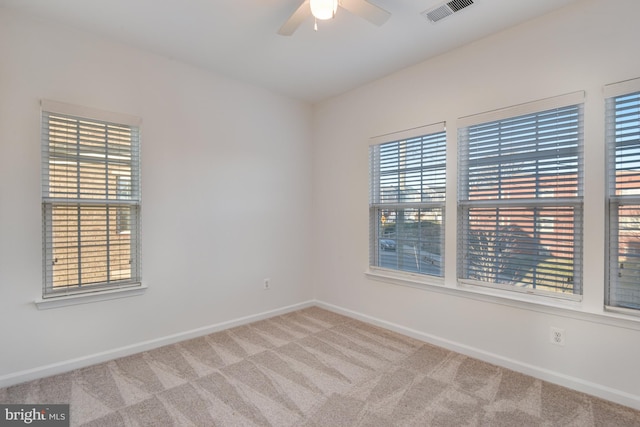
(326, 9)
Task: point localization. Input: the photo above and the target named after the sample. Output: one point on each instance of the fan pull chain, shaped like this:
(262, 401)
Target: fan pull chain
(315, 24)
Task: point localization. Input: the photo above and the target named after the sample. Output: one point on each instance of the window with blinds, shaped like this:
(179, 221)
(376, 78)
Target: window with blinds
(520, 199)
(623, 146)
(406, 203)
(90, 200)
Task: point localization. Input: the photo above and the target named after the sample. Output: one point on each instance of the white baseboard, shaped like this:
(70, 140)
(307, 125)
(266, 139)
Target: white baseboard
(81, 362)
(558, 378)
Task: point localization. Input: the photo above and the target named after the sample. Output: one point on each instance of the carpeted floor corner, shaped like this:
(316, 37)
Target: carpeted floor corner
(312, 368)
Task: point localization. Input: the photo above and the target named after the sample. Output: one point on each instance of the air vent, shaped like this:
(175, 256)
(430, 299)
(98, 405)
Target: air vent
(457, 5)
(447, 9)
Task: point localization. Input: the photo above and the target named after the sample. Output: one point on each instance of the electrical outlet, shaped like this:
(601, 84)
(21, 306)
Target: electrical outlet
(267, 284)
(557, 336)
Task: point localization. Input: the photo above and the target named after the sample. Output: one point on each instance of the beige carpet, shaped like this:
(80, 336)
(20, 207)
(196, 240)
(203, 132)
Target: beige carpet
(312, 368)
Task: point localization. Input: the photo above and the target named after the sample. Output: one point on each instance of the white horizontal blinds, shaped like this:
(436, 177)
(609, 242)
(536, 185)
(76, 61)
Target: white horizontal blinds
(85, 158)
(623, 113)
(520, 200)
(623, 143)
(407, 194)
(524, 157)
(412, 171)
(525, 247)
(91, 203)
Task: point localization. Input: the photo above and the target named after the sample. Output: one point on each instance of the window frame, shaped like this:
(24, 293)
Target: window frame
(465, 204)
(377, 205)
(612, 92)
(131, 282)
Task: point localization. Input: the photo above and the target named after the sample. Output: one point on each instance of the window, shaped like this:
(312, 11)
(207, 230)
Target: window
(90, 200)
(520, 197)
(623, 166)
(406, 203)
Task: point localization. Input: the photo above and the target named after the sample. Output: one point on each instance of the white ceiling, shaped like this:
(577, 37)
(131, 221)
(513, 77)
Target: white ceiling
(237, 38)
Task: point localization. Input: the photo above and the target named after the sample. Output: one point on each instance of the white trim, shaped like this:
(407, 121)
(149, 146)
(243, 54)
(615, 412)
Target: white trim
(55, 301)
(522, 109)
(408, 133)
(621, 88)
(105, 356)
(622, 311)
(403, 278)
(471, 284)
(89, 113)
(574, 383)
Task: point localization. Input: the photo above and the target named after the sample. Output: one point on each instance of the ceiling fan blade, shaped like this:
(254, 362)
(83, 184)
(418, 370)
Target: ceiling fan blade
(294, 21)
(372, 13)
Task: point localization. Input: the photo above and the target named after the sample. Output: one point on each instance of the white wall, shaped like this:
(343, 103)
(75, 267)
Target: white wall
(226, 197)
(581, 47)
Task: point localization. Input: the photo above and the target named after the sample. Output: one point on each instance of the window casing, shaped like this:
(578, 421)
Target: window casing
(407, 201)
(520, 189)
(90, 200)
(623, 171)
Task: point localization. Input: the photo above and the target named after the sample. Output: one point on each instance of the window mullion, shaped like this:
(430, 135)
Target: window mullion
(106, 207)
(79, 198)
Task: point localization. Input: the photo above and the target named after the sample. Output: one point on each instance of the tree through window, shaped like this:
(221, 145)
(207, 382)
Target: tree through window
(520, 200)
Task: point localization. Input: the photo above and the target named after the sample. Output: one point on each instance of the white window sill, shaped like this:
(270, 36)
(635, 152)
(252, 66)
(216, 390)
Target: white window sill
(89, 297)
(556, 306)
(404, 278)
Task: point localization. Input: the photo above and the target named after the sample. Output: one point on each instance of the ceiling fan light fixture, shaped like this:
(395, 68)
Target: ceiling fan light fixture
(323, 9)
